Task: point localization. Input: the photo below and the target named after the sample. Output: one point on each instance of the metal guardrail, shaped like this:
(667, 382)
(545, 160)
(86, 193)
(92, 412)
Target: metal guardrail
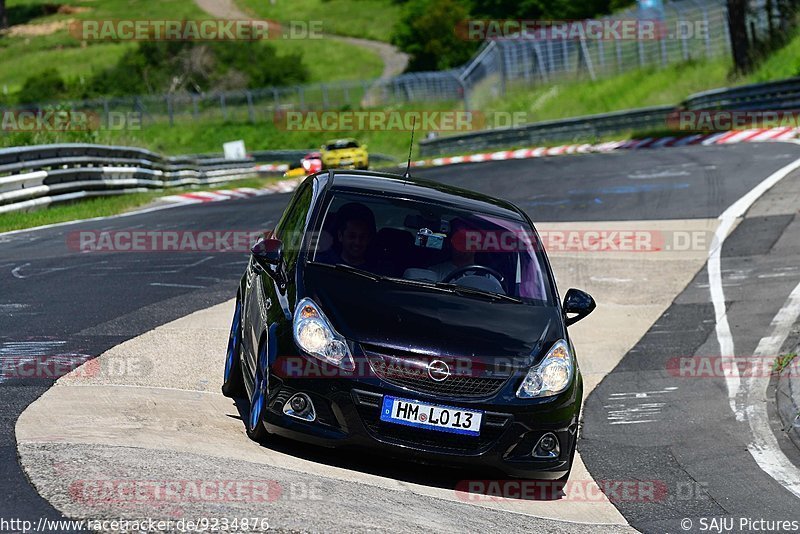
(36, 176)
(290, 155)
(556, 131)
(295, 155)
(782, 95)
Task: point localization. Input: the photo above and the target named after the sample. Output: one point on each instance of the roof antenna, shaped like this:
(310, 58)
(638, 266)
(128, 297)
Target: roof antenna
(410, 147)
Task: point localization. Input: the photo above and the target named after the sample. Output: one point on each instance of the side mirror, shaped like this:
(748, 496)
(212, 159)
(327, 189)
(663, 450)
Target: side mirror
(268, 252)
(579, 303)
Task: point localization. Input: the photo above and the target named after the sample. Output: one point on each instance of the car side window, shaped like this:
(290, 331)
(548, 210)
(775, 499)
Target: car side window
(291, 227)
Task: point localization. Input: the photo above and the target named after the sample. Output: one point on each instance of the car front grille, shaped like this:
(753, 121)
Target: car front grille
(411, 371)
(368, 406)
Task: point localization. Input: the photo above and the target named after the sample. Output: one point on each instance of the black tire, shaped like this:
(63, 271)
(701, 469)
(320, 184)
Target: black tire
(258, 401)
(232, 380)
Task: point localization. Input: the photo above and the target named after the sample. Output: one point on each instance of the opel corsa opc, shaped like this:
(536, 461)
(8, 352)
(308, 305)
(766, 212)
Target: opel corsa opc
(411, 318)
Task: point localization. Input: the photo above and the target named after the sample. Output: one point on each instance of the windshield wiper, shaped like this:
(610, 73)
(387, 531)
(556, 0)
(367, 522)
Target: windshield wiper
(450, 288)
(474, 292)
(349, 269)
(376, 277)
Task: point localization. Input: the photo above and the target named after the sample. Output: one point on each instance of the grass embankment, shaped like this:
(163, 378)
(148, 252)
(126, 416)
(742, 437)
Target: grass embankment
(639, 88)
(208, 135)
(39, 37)
(630, 90)
(644, 88)
(106, 206)
(369, 19)
(567, 99)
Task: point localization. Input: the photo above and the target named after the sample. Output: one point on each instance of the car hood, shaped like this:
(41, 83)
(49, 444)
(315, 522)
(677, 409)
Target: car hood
(396, 318)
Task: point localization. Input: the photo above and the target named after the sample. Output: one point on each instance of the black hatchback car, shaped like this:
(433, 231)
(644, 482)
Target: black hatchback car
(411, 318)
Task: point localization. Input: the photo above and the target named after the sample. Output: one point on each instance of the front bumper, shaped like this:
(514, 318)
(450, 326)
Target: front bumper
(348, 415)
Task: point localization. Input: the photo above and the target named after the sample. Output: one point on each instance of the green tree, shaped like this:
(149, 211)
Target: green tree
(44, 86)
(427, 32)
(546, 9)
(195, 67)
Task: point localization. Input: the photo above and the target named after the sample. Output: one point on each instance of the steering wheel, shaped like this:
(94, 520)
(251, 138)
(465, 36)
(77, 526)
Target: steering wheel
(471, 268)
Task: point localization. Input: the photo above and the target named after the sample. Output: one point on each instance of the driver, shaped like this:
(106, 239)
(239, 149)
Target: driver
(461, 254)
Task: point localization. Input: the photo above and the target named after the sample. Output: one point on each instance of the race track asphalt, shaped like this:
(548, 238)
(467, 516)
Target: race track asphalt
(58, 301)
(664, 413)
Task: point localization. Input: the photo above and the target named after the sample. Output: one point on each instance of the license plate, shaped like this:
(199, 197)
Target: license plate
(431, 417)
(346, 162)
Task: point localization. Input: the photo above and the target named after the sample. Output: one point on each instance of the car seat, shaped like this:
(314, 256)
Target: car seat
(391, 251)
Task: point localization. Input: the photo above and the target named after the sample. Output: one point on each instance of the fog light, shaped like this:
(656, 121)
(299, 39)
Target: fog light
(299, 403)
(547, 447)
(300, 407)
(548, 443)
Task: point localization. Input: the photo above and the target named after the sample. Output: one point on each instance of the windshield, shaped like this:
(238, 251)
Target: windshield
(337, 145)
(433, 244)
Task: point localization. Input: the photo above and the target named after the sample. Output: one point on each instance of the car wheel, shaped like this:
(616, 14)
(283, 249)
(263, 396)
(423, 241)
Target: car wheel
(258, 401)
(233, 382)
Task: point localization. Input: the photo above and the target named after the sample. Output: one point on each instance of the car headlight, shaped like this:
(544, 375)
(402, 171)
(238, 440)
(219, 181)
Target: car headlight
(551, 376)
(316, 337)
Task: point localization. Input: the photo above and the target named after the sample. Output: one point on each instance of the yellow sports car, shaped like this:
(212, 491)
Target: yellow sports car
(344, 154)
